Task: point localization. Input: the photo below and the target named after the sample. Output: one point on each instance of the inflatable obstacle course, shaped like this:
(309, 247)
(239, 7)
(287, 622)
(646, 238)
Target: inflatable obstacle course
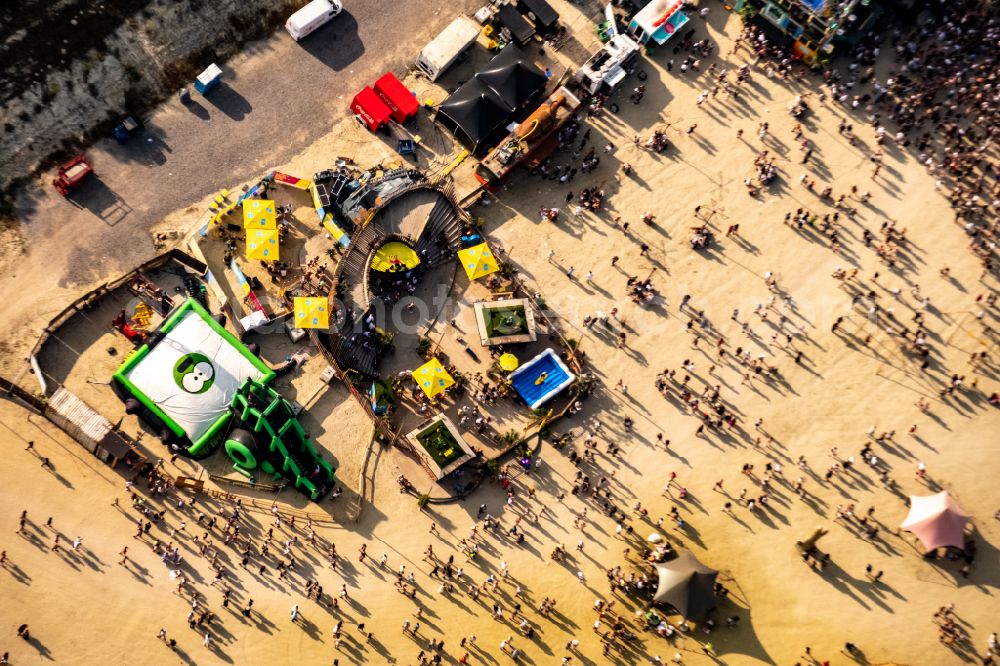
(185, 376)
(200, 388)
(270, 438)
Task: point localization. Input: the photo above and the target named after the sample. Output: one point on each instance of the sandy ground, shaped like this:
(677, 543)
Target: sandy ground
(841, 389)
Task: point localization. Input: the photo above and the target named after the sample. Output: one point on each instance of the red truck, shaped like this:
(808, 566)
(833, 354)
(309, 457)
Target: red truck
(72, 174)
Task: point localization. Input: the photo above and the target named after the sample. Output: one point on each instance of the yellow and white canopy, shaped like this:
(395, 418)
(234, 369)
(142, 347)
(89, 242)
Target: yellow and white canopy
(262, 244)
(312, 312)
(478, 261)
(259, 214)
(432, 377)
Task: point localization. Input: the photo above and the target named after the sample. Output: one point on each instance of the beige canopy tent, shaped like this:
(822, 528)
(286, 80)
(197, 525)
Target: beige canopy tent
(936, 520)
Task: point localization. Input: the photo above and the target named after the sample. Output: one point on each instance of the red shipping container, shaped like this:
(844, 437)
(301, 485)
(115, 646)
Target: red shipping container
(397, 97)
(370, 110)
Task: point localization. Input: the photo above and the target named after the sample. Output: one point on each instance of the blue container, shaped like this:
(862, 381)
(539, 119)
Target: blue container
(208, 79)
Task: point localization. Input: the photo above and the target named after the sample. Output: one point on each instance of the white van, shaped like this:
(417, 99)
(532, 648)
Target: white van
(311, 17)
(444, 49)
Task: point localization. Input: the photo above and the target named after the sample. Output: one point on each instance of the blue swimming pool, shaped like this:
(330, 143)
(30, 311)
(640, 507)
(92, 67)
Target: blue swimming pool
(525, 379)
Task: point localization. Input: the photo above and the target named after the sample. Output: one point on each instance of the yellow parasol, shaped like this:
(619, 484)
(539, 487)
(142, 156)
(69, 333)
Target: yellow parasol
(478, 261)
(509, 362)
(262, 244)
(311, 312)
(395, 256)
(259, 214)
(432, 377)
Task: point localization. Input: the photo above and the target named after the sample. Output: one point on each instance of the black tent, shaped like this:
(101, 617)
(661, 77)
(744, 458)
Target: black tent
(513, 77)
(483, 106)
(540, 12)
(474, 112)
(520, 30)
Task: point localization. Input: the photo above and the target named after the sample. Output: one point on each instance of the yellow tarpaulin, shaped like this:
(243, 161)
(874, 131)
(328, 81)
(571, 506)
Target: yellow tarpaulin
(259, 214)
(311, 312)
(432, 377)
(395, 256)
(509, 362)
(262, 244)
(478, 261)
(336, 232)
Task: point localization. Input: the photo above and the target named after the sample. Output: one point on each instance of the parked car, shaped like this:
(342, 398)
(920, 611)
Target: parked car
(72, 174)
(126, 128)
(317, 13)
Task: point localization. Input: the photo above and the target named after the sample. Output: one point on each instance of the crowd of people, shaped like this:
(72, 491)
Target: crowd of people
(939, 101)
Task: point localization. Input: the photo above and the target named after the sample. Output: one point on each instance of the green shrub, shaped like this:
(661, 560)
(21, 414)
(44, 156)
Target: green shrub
(424, 345)
(509, 438)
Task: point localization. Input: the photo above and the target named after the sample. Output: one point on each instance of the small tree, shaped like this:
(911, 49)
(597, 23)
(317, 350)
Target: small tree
(384, 337)
(508, 438)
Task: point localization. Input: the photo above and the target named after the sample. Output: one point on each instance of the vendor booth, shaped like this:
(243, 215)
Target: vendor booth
(370, 110)
(503, 322)
(263, 244)
(658, 21)
(397, 97)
